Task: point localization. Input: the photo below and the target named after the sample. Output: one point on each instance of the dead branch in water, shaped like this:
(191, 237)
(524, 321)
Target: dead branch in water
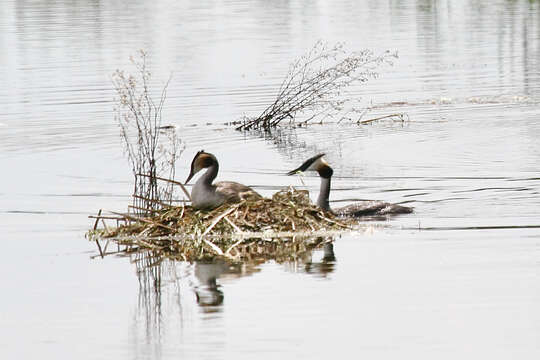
(399, 116)
(315, 84)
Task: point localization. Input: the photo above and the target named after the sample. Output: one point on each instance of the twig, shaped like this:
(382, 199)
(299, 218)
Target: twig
(148, 245)
(172, 182)
(106, 245)
(104, 225)
(183, 210)
(99, 248)
(151, 200)
(97, 219)
(236, 228)
(335, 222)
(214, 247)
(135, 218)
(400, 115)
(292, 223)
(234, 245)
(105, 217)
(143, 209)
(217, 219)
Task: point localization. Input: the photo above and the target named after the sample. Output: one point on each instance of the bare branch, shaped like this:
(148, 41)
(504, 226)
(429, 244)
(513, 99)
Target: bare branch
(315, 85)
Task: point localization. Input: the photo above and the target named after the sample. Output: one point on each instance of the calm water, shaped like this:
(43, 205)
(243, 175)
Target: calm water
(458, 278)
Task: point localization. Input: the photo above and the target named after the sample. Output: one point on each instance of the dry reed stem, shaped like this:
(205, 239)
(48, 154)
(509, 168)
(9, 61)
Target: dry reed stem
(135, 218)
(234, 245)
(104, 225)
(213, 247)
(172, 182)
(335, 222)
(143, 209)
(398, 115)
(236, 228)
(151, 200)
(97, 219)
(99, 248)
(227, 212)
(183, 211)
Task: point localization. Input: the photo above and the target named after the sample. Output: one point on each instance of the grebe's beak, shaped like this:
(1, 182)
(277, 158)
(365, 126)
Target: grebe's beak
(295, 171)
(306, 165)
(195, 165)
(191, 174)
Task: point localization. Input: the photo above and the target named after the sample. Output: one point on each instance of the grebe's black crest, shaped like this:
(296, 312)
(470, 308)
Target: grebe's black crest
(307, 164)
(325, 171)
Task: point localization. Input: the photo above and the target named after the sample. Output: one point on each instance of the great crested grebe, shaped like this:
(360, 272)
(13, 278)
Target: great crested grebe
(361, 208)
(204, 194)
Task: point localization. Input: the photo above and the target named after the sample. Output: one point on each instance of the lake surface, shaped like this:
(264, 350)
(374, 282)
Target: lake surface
(459, 278)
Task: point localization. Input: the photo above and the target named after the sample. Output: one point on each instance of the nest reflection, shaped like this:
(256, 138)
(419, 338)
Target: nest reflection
(170, 290)
(156, 273)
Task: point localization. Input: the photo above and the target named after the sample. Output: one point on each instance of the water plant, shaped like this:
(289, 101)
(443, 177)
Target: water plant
(151, 148)
(316, 86)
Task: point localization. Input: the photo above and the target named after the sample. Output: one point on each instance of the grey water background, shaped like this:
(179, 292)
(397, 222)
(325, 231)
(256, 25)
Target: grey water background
(458, 278)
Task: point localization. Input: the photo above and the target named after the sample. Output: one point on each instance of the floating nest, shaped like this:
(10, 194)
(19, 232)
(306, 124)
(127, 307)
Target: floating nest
(228, 231)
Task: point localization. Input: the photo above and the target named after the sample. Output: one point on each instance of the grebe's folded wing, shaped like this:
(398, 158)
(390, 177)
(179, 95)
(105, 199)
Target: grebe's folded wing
(235, 192)
(372, 207)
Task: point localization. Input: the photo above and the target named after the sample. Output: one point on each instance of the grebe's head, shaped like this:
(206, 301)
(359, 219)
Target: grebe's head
(201, 161)
(315, 163)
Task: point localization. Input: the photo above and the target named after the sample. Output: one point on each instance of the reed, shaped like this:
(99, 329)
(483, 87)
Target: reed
(151, 148)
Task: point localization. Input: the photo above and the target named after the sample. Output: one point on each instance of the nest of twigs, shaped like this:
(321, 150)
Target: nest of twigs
(194, 234)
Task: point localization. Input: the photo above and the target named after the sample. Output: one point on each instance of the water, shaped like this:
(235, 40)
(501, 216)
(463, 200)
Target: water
(459, 277)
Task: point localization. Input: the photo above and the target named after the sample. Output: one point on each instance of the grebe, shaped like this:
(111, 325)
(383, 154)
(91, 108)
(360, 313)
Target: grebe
(205, 195)
(361, 208)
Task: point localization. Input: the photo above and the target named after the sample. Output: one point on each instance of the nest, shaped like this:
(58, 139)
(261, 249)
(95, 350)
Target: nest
(181, 231)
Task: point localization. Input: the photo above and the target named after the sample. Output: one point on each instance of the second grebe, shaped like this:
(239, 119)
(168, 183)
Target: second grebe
(204, 194)
(361, 208)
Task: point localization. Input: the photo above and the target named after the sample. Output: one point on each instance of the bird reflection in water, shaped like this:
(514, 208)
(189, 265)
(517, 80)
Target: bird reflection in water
(319, 260)
(327, 263)
(207, 290)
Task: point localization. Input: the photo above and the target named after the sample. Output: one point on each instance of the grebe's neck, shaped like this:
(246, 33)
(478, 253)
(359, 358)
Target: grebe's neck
(324, 194)
(208, 177)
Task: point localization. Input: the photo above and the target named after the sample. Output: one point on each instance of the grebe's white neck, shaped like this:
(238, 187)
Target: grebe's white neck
(324, 194)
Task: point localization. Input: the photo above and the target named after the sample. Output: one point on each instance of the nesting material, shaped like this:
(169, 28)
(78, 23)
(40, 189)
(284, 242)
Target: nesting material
(194, 234)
